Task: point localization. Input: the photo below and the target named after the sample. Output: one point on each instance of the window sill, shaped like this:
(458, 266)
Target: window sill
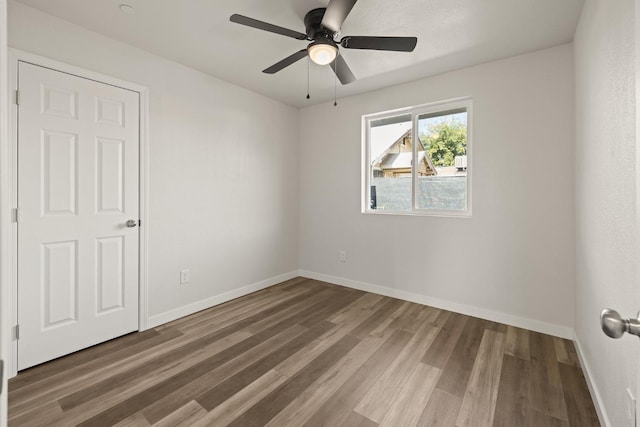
(438, 214)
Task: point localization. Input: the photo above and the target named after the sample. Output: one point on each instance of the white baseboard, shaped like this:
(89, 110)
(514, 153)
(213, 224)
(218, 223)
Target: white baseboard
(593, 388)
(495, 316)
(162, 318)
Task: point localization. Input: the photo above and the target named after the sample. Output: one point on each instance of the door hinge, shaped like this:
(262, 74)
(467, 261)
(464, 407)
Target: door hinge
(17, 97)
(16, 332)
(16, 215)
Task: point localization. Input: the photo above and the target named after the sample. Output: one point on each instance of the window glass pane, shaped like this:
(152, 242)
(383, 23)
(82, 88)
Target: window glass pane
(390, 160)
(442, 159)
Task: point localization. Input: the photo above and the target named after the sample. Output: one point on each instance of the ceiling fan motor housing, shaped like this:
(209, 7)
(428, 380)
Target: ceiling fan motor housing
(313, 25)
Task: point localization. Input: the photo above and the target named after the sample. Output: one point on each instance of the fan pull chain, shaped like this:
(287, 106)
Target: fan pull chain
(335, 82)
(308, 62)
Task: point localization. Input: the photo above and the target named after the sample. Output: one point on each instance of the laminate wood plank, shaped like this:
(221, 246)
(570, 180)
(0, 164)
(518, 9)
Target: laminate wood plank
(538, 419)
(278, 399)
(298, 311)
(38, 416)
(240, 402)
(572, 353)
(239, 309)
(223, 328)
(246, 351)
(303, 307)
(407, 406)
(513, 393)
(268, 294)
(354, 419)
(187, 353)
(544, 354)
(366, 303)
(456, 373)
(408, 319)
(495, 326)
(137, 420)
(61, 365)
(545, 386)
(378, 317)
(441, 410)
(561, 352)
(422, 316)
(308, 401)
(376, 403)
(577, 398)
(288, 285)
(517, 343)
(382, 327)
(259, 297)
(186, 416)
(439, 353)
(565, 352)
(335, 410)
(545, 397)
(479, 402)
(102, 367)
(237, 367)
(299, 360)
(222, 391)
(442, 318)
(233, 313)
(72, 385)
(428, 315)
(121, 395)
(342, 300)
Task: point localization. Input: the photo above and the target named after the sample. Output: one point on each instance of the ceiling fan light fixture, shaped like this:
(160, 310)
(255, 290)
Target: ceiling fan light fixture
(322, 53)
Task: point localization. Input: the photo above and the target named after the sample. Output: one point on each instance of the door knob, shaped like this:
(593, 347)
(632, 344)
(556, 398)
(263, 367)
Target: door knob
(615, 326)
(131, 223)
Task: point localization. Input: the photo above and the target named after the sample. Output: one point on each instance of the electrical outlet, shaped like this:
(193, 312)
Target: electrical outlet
(631, 409)
(184, 276)
(343, 256)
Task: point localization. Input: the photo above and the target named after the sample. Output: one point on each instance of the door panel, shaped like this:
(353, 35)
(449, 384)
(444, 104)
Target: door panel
(110, 161)
(78, 147)
(110, 281)
(59, 284)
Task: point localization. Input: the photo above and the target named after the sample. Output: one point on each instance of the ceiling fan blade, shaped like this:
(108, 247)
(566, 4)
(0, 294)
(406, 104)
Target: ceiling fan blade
(342, 70)
(286, 62)
(250, 22)
(336, 13)
(398, 44)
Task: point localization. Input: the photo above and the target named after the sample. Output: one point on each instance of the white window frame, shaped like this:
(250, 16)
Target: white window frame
(415, 112)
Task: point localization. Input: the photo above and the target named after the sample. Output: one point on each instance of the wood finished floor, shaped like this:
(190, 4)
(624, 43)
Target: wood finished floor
(306, 353)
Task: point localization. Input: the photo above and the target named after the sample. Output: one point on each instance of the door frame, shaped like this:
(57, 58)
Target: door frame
(15, 57)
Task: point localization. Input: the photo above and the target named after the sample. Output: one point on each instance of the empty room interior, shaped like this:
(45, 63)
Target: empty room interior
(319, 213)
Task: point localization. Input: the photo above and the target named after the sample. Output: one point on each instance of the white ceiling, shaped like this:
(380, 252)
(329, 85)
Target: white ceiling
(451, 34)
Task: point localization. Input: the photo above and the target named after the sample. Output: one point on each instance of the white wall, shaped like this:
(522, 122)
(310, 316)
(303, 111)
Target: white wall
(4, 209)
(514, 259)
(223, 165)
(606, 194)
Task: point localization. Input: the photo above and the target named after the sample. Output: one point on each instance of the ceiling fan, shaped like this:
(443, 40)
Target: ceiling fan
(322, 29)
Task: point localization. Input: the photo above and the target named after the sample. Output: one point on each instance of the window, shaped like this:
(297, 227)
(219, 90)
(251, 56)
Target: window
(418, 160)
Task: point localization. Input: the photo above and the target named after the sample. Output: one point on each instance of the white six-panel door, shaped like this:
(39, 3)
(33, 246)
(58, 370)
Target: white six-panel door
(78, 147)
